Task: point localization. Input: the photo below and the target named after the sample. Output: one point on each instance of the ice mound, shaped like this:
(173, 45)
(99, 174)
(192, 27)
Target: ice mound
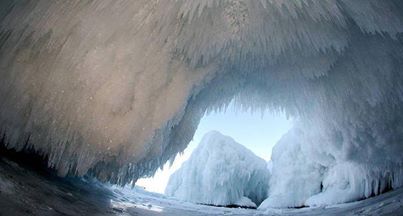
(294, 177)
(308, 171)
(221, 172)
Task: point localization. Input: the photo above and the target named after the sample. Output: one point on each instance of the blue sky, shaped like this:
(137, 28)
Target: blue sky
(255, 131)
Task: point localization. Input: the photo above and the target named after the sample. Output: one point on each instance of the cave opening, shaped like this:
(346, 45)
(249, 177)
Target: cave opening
(256, 130)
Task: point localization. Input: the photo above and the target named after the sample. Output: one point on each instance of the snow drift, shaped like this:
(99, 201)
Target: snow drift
(114, 89)
(220, 172)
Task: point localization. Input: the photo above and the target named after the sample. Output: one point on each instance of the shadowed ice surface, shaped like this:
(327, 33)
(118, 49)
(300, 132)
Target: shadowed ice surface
(28, 190)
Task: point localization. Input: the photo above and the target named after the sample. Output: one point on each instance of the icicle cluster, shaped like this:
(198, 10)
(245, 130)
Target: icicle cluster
(114, 89)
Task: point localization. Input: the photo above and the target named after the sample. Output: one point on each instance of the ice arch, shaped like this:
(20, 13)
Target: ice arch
(114, 89)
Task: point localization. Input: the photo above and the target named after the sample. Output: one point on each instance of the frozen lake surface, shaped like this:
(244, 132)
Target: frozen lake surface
(24, 191)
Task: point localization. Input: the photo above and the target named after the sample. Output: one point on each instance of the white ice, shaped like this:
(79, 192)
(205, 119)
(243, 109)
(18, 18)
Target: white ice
(305, 171)
(222, 172)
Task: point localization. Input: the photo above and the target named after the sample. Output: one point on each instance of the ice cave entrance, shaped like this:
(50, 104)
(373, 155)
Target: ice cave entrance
(258, 131)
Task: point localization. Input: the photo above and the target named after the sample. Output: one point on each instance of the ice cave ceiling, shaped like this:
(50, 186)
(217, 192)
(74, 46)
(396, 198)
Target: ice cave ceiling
(114, 89)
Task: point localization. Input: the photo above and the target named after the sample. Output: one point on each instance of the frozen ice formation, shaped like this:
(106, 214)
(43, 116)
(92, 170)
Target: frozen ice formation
(114, 89)
(307, 170)
(220, 172)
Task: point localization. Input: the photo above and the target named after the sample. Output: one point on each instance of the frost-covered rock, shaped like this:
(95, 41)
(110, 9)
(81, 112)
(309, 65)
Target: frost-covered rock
(221, 172)
(307, 170)
(294, 177)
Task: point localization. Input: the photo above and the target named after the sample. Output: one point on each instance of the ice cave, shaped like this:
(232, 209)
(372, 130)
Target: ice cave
(96, 94)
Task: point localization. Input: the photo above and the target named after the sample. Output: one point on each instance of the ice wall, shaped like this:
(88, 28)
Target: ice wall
(222, 172)
(114, 89)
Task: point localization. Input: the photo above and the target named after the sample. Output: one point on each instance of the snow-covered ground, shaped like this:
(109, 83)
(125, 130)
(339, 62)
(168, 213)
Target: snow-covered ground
(27, 192)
